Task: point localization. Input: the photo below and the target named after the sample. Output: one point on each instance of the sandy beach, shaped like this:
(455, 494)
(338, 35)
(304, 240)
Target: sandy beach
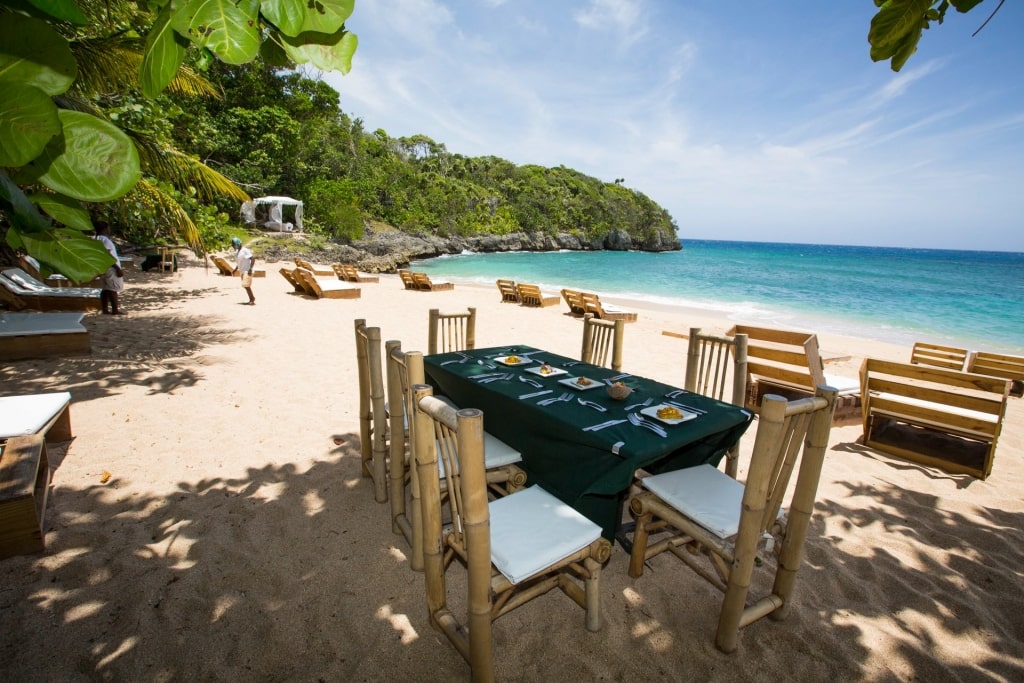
(209, 520)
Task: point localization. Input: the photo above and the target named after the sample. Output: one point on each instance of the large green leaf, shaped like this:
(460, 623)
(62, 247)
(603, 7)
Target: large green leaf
(65, 210)
(78, 258)
(895, 19)
(229, 30)
(21, 212)
(61, 9)
(32, 53)
(93, 161)
(28, 120)
(325, 52)
(298, 16)
(165, 50)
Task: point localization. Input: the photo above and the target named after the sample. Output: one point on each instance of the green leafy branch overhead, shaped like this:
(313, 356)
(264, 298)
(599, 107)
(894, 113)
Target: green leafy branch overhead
(55, 160)
(898, 25)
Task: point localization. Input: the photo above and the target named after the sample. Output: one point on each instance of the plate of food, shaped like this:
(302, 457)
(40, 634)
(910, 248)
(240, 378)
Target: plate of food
(545, 370)
(581, 383)
(668, 414)
(512, 360)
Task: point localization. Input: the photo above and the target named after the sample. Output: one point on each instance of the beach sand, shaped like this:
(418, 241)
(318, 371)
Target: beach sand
(236, 540)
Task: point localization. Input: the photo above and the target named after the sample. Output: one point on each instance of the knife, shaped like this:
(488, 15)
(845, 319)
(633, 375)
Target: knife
(537, 393)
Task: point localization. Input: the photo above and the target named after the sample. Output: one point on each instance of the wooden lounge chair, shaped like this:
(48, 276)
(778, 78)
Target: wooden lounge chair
(323, 288)
(289, 275)
(36, 335)
(316, 270)
(574, 300)
(530, 295)
(408, 281)
(948, 357)
(704, 511)
(20, 291)
(425, 284)
(509, 293)
(592, 304)
(31, 266)
(1000, 365)
(788, 363)
(223, 267)
(942, 418)
(515, 548)
(349, 273)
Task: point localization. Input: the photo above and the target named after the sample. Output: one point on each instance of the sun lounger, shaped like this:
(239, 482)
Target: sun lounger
(31, 266)
(324, 288)
(289, 275)
(46, 414)
(948, 357)
(349, 273)
(530, 295)
(425, 284)
(316, 270)
(574, 300)
(407, 279)
(224, 267)
(509, 293)
(999, 365)
(21, 291)
(592, 304)
(35, 335)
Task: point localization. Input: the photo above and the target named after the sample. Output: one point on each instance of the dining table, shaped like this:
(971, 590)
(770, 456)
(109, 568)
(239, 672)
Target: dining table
(576, 441)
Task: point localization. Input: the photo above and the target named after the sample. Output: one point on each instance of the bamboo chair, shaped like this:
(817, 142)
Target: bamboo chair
(404, 371)
(707, 512)
(372, 411)
(515, 548)
(601, 338)
(711, 361)
(449, 332)
(509, 293)
(936, 356)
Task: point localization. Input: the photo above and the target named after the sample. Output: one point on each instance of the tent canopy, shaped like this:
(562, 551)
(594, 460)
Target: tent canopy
(275, 203)
(287, 201)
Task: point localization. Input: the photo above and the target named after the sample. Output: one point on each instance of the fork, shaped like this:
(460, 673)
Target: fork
(676, 393)
(640, 405)
(590, 404)
(532, 382)
(548, 401)
(496, 378)
(647, 424)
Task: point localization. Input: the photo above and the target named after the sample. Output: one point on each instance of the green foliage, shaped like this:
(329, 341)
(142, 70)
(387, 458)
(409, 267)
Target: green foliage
(897, 26)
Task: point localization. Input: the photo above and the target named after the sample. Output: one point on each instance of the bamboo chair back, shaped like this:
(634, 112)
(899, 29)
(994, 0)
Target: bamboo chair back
(456, 439)
(372, 412)
(714, 363)
(451, 331)
(784, 430)
(936, 356)
(602, 342)
(404, 370)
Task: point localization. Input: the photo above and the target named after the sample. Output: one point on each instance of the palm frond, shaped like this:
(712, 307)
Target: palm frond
(171, 217)
(111, 64)
(184, 171)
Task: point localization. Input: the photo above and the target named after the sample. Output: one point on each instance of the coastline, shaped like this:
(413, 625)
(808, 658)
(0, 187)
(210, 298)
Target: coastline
(210, 518)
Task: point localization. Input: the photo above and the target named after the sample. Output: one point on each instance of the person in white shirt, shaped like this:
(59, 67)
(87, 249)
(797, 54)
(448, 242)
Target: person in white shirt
(112, 281)
(244, 262)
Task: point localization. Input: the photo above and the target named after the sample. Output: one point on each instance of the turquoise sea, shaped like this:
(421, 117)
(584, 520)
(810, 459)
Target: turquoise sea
(970, 299)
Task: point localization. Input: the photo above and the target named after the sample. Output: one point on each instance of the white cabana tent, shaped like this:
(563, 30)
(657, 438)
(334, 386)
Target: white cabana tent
(276, 213)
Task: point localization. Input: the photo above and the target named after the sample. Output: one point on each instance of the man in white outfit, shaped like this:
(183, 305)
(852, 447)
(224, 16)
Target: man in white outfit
(112, 281)
(244, 262)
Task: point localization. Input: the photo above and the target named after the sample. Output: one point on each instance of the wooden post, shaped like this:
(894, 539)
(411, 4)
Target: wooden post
(362, 366)
(378, 415)
(692, 360)
(432, 331)
(620, 330)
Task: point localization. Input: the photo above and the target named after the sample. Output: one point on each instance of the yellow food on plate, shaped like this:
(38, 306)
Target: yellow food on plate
(669, 413)
(512, 359)
(545, 369)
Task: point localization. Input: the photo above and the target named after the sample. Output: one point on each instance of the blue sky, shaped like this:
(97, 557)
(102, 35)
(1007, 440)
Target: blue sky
(762, 121)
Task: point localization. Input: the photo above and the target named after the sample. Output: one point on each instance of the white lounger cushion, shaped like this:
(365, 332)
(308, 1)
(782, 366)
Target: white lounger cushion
(333, 285)
(705, 494)
(531, 530)
(24, 415)
(497, 453)
(21, 283)
(843, 385)
(27, 324)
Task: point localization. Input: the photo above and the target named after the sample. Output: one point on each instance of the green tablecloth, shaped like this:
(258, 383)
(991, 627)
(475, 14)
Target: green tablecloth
(588, 470)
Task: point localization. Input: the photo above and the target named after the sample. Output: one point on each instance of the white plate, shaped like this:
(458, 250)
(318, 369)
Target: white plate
(572, 382)
(652, 411)
(554, 371)
(519, 360)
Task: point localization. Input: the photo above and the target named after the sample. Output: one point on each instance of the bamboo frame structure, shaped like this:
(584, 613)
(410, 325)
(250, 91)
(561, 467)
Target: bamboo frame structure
(448, 332)
(708, 361)
(372, 413)
(602, 338)
(404, 370)
(784, 429)
(456, 438)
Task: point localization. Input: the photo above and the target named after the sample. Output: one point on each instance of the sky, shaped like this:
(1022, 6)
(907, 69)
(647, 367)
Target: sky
(746, 120)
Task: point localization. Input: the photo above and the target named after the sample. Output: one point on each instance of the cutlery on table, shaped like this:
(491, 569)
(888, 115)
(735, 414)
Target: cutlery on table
(537, 393)
(590, 404)
(548, 401)
(496, 378)
(638, 421)
(532, 382)
(676, 393)
(698, 411)
(602, 425)
(639, 405)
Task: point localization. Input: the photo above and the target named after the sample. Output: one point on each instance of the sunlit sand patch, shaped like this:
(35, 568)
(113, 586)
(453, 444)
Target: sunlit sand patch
(270, 493)
(83, 611)
(222, 605)
(124, 647)
(313, 503)
(400, 623)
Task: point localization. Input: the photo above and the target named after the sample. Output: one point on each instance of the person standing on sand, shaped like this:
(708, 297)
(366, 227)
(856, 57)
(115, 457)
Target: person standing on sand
(112, 281)
(244, 262)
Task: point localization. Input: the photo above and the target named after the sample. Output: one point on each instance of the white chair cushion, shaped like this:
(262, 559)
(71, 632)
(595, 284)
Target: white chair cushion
(21, 324)
(843, 385)
(705, 494)
(497, 453)
(531, 530)
(24, 415)
(333, 285)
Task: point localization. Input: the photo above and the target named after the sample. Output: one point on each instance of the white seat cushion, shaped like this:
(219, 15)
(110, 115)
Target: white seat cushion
(19, 324)
(704, 494)
(333, 285)
(843, 385)
(497, 453)
(24, 415)
(531, 530)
